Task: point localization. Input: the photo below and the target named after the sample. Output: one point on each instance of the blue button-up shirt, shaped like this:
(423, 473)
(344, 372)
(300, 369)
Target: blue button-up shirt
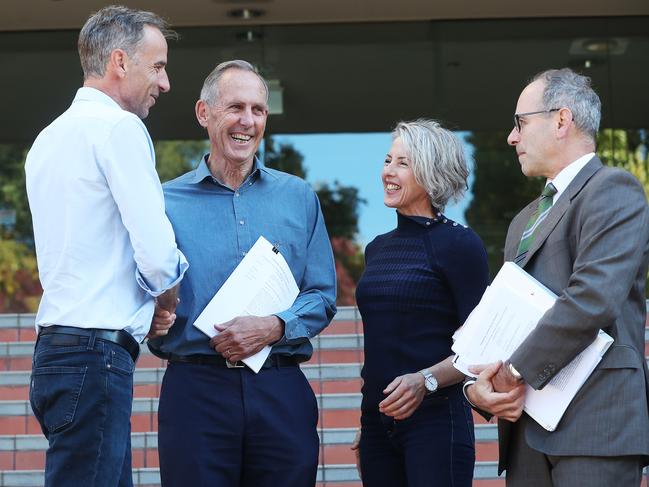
(215, 226)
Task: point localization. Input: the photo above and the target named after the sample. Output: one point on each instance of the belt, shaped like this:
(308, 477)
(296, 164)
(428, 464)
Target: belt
(219, 360)
(120, 337)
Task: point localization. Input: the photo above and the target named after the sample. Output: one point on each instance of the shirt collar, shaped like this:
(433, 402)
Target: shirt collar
(86, 93)
(568, 173)
(202, 171)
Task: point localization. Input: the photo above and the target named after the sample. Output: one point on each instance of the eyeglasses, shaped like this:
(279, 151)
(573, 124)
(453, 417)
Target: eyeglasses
(517, 116)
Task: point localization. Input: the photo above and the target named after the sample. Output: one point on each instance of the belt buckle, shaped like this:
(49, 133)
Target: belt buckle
(234, 365)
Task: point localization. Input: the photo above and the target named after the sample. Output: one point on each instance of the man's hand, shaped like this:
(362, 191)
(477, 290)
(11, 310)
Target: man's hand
(168, 300)
(405, 395)
(357, 452)
(162, 321)
(505, 405)
(246, 335)
(504, 381)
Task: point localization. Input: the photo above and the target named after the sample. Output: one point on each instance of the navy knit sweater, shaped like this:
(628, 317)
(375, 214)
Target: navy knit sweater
(420, 283)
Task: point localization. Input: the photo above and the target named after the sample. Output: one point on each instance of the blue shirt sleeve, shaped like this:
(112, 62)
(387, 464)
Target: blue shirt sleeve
(315, 306)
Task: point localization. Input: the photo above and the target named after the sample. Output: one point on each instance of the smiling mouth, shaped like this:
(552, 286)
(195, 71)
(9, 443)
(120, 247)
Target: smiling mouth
(392, 187)
(241, 138)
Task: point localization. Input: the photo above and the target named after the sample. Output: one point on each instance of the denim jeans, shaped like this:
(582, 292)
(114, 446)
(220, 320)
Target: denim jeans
(81, 392)
(432, 448)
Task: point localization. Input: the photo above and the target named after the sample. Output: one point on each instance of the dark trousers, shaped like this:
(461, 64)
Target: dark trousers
(432, 448)
(81, 393)
(222, 427)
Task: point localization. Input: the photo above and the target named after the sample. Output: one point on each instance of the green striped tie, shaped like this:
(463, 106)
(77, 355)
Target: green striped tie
(545, 203)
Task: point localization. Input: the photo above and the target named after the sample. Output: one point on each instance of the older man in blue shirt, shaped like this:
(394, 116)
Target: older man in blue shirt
(221, 424)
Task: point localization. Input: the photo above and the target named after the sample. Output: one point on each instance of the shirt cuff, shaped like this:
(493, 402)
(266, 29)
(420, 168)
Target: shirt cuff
(181, 268)
(469, 382)
(466, 384)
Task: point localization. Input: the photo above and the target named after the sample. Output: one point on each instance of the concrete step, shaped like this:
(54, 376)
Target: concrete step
(324, 378)
(331, 474)
(20, 327)
(26, 452)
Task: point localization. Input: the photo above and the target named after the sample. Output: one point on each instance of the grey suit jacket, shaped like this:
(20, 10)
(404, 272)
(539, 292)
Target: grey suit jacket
(592, 250)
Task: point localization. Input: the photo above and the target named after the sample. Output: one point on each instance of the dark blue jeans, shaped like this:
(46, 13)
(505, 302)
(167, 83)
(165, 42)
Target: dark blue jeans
(432, 448)
(81, 392)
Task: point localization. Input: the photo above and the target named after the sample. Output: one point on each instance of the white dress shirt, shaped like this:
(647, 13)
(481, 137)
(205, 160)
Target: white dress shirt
(567, 174)
(104, 245)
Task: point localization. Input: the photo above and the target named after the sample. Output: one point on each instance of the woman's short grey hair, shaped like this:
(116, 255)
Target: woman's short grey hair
(210, 90)
(114, 27)
(566, 89)
(437, 159)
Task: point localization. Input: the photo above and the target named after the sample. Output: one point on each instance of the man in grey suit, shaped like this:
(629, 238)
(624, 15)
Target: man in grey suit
(587, 239)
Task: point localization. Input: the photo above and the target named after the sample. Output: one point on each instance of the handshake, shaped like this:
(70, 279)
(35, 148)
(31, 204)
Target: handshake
(164, 315)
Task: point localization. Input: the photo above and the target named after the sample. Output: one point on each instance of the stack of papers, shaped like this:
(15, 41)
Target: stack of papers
(508, 311)
(261, 285)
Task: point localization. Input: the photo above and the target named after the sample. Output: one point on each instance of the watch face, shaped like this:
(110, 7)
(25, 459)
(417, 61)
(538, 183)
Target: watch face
(431, 383)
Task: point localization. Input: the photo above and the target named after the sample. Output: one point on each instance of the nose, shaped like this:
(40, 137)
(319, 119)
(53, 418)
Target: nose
(246, 117)
(514, 137)
(163, 82)
(388, 169)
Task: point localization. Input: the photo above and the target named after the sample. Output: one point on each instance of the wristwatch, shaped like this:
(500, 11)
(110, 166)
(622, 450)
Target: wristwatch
(429, 381)
(512, 370)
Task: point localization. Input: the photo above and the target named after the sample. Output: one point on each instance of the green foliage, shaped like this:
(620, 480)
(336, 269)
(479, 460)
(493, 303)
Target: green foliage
(626, 149)
(500, 191)
(340, 206)
(285, 159)
(19, 286)
(13, 195)
(176, 157)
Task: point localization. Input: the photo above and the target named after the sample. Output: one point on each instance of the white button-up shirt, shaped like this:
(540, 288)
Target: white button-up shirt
(104, 245)
(568, 173)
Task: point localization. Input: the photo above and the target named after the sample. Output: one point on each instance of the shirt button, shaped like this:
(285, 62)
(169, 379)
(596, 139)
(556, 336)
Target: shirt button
(244, 253)
(236, 194)
(241, 222)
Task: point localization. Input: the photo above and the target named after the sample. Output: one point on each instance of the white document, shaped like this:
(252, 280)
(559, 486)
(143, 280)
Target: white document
(508, 311)
(261, 285)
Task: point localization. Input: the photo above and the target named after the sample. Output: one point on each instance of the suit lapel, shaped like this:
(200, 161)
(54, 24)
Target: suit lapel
(561, 206)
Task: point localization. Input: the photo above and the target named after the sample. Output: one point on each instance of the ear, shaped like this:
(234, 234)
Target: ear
(202, 113)
(117, 62)
(564, 121)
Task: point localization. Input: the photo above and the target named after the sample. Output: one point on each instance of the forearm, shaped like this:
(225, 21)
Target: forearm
(445, 373)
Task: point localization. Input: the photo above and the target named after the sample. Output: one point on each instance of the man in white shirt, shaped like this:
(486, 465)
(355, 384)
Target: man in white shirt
(587, 239)
(106, 251)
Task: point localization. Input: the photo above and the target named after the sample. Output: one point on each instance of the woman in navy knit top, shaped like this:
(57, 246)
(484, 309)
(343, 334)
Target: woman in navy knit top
(420, 283)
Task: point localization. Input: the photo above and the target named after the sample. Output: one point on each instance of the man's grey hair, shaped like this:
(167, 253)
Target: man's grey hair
(566, 89)
(437, 159)
(210, 90)
(114, 27)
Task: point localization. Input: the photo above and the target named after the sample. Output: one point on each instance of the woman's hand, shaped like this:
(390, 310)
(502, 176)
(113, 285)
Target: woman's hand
(405, 394)
(357, 452)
